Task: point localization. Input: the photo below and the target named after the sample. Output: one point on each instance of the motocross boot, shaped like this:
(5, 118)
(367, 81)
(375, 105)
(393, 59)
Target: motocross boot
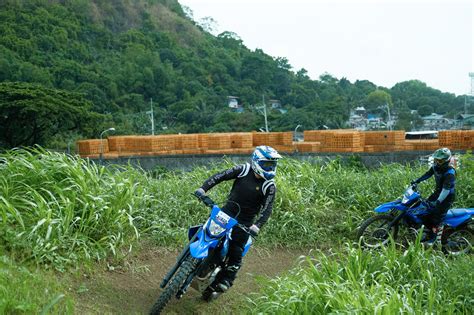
(214, 290)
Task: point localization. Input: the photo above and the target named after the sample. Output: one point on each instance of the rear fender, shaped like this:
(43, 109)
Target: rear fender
(456, 221)
(386, 207)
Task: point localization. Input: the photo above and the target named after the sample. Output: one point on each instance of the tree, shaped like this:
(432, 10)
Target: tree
(425, 110)
(377, 99)
(31, 114)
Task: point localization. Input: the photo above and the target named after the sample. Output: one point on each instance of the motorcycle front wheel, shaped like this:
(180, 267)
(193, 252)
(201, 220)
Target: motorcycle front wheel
(457, 241)
(374, 232)
(188, 266)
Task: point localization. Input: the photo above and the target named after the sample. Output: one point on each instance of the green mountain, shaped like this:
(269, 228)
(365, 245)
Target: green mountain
(118, 58)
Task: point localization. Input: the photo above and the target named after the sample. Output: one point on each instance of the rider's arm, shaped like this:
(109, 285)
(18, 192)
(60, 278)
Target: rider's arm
(448, 186)
(444, 193)
(228, 174)
(267, 206)
(425, 176)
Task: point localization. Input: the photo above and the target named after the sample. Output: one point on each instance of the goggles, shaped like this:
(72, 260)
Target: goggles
(268, 165)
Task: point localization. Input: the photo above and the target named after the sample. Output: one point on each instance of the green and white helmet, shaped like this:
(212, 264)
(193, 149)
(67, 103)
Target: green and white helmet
(442, 156)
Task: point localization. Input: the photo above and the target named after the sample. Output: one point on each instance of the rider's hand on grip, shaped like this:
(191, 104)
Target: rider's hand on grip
(254, 230)
(199, 193)
(208, 201)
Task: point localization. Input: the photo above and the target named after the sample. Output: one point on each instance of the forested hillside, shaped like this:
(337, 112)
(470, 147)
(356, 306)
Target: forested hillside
(96, 64)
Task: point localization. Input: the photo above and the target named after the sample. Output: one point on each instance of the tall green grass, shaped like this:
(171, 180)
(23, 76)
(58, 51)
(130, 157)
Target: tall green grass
(60, 210)
(361, 282)
(30, 292)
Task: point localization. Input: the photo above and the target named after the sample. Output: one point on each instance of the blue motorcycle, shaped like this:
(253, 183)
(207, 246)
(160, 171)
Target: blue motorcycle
(202, 258)
(400, 219)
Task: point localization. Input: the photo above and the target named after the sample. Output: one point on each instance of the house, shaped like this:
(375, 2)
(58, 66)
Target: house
(437, 122)
(357, 122)
(375, 122)
(233, 103)
(276, 105)
(360, 110)
(465, 121)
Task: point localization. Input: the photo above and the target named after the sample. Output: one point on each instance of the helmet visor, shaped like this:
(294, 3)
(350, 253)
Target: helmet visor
(268, 165)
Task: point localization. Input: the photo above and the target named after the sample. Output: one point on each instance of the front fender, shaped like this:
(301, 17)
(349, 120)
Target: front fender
(386, 207)
(200, 248)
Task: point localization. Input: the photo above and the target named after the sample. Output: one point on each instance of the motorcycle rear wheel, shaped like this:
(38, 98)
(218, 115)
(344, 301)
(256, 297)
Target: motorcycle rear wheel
(457, 241)
(373, 232)
(188, 265)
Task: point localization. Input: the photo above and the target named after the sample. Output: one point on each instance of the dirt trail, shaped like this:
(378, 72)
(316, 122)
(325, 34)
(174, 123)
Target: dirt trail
(134, 287)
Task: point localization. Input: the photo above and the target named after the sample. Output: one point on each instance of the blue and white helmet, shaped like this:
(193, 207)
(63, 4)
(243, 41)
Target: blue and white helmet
(264, 161)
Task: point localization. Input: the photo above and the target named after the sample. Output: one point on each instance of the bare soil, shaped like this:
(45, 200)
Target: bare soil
(134, 286)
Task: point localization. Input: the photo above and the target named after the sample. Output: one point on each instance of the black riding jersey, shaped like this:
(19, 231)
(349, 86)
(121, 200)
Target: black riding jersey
(253, 195)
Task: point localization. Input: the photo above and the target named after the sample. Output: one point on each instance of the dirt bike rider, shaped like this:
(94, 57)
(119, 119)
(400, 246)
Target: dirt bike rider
(444, 194)
(254, 191)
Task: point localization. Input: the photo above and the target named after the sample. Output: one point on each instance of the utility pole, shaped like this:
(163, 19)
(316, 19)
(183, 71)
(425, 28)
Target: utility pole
(389, 117)
(152, 119)
(465, 104)
(265, 112)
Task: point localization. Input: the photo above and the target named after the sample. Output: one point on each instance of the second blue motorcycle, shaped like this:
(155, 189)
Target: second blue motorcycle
(402, 218)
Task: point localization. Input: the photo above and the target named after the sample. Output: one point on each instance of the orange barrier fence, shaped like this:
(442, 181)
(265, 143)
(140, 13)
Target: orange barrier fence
(340, 140)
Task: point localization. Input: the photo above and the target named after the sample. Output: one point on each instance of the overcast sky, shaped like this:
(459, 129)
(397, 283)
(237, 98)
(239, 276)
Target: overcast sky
(383, 41)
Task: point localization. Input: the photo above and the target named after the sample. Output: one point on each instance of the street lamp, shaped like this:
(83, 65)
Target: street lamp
(102, 144)
(294, 134)
(264, 107)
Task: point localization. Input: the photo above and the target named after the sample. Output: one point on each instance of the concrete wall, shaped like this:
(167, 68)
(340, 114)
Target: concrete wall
(188, 162)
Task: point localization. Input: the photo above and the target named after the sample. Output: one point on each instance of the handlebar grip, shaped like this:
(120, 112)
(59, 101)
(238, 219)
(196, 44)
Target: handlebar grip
(207, 201)
(248, 230)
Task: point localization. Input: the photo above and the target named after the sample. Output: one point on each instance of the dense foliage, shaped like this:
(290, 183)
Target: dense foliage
(124, 56)
(33, 114)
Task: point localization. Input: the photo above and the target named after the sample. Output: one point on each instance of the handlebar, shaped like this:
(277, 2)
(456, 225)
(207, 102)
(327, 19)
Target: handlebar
(205, 199)
(247, 230)
(210, 203)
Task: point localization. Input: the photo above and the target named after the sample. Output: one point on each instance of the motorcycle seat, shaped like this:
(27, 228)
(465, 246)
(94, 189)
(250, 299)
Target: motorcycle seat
(459, 212)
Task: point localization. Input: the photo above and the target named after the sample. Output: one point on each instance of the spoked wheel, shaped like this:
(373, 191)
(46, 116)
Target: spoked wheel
(407, 235)
(374, 232)
(176, 282)
(458, 241)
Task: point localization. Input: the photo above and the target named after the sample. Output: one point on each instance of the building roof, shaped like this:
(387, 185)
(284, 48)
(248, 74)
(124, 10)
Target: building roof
(464, 116)
(432, 116)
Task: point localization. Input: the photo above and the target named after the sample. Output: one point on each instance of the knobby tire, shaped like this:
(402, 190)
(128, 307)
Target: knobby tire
(176, 282)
